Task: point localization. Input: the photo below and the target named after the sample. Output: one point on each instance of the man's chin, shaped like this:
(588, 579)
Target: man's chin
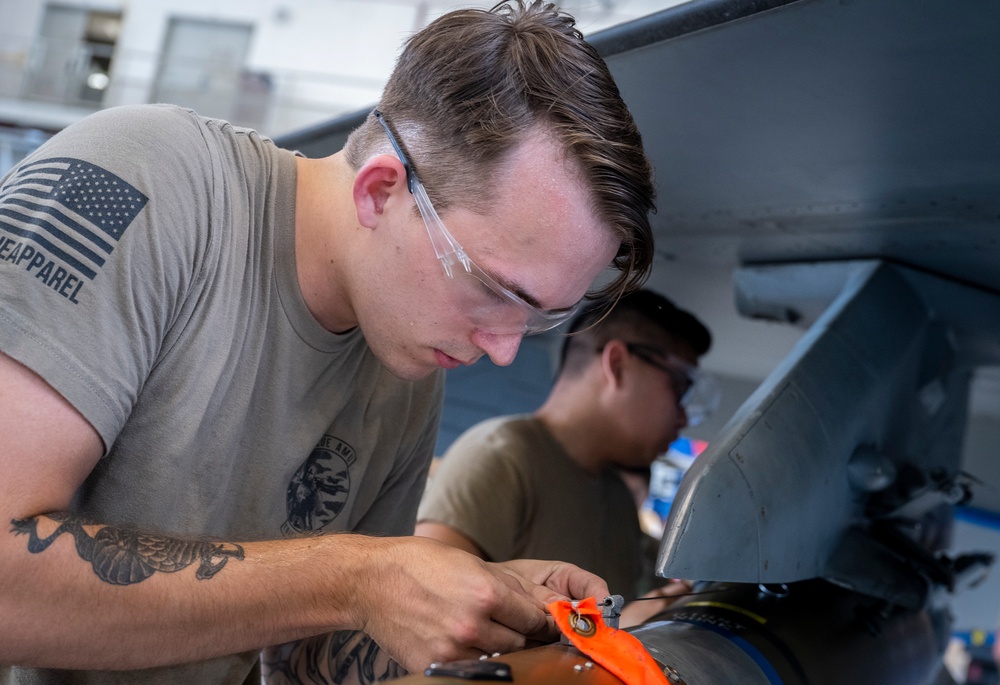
(410, 373)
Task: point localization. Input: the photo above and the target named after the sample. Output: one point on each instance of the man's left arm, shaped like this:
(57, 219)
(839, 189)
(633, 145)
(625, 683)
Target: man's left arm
(353, 657)
(344, 657)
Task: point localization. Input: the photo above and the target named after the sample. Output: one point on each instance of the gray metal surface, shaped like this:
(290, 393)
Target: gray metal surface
(810, 633)
(698, 656)
(882, 374)
(823, 129)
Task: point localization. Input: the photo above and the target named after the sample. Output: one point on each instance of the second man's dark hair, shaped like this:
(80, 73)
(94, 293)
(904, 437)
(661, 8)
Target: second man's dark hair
(643, 316)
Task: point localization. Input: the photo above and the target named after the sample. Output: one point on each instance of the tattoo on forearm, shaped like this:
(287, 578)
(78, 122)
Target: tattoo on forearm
(360, 651)
(123, 557)
(340, 658)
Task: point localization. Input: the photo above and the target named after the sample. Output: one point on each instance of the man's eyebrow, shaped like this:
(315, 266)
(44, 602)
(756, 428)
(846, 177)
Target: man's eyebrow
(519, 290)
(515, 288)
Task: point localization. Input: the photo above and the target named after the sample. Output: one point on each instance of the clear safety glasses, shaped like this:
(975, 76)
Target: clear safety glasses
(697, 391)
(491, 306)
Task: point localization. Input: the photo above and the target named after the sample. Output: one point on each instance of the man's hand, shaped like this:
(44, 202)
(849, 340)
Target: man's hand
(425, 601)
(548, 581)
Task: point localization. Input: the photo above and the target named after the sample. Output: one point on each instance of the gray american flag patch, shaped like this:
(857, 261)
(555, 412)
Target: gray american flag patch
(73, 209)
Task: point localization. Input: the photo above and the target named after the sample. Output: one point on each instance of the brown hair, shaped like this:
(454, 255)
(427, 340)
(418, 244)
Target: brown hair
(471, 85)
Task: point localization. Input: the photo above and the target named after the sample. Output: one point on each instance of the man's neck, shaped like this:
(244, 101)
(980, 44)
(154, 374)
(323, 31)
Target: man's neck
(323, 204)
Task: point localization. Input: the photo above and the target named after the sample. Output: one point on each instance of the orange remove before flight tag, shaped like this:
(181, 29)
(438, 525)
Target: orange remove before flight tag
(618, 651)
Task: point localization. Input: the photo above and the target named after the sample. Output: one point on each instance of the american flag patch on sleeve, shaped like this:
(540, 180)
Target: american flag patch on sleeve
(60, 219)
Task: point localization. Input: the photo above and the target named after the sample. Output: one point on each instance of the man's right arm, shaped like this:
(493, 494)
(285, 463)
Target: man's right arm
(92, 596)
(63, 577)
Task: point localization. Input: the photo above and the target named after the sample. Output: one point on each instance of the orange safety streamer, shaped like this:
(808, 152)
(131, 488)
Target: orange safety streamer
(618, 651)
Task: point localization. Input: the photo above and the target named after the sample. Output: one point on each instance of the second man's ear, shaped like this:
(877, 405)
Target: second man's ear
(613, 361)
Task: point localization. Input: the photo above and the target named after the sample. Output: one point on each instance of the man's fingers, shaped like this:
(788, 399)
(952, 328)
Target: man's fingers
(562, 580)
(492, 608)
(550, 633)
(524, 612)
(525, 618)
(502, 639)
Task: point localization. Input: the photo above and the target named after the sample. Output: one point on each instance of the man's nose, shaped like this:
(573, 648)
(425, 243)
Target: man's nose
(501, 347)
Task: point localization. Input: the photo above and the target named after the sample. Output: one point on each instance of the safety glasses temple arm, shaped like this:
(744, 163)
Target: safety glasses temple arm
(445, 246)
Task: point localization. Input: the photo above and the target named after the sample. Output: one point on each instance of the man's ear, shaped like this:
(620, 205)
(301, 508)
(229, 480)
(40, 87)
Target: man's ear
(613, 362)
(376, 182)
